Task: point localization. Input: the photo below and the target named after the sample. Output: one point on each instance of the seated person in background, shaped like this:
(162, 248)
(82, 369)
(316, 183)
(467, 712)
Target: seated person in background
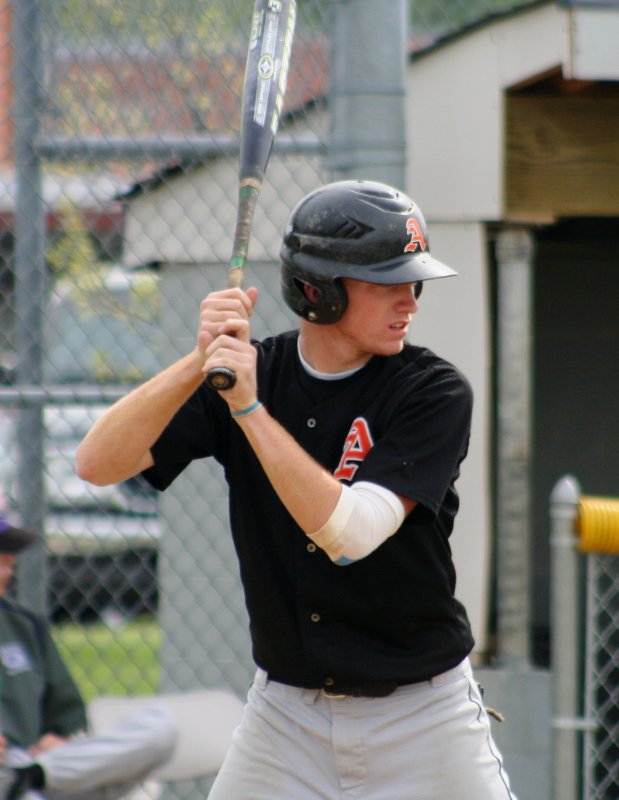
(44, 747)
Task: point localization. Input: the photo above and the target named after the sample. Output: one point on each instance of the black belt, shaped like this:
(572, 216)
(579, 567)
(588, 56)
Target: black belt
(338, 690)
(370, 689)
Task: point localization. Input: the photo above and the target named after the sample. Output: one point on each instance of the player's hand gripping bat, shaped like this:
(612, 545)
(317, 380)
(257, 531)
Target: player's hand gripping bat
(266, 73)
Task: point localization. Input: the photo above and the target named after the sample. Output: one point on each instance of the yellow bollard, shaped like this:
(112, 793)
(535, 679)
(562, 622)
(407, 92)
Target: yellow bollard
(597, 525)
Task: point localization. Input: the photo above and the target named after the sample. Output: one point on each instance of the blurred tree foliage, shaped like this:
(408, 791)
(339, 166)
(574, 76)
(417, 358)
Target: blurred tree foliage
(216, 23)
(138, 67)
(155, 22)
(212, 23)
(127, 67)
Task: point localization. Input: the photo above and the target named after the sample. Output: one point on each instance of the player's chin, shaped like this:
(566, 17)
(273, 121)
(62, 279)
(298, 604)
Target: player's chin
(390, 348)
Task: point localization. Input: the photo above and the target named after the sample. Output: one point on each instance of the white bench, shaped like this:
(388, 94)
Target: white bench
(206, 720)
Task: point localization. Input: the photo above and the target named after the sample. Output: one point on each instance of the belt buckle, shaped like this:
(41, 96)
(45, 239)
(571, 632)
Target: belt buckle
(331, 696)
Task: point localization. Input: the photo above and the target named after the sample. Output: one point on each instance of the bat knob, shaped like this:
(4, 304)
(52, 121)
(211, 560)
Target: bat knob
(220, 378)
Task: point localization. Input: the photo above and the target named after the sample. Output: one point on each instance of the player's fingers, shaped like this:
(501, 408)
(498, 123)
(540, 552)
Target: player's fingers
(230, 356)
(219, 316)
(238, 328)
(240, 357)
(232, 338)
(252, 294)
(235, 302)
(211, 320)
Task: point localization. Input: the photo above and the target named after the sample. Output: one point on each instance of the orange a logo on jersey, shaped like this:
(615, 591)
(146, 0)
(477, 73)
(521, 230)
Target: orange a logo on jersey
(357, 445)
(418, 240)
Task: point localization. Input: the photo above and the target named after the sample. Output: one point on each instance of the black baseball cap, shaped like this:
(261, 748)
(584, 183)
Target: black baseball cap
(14, 539)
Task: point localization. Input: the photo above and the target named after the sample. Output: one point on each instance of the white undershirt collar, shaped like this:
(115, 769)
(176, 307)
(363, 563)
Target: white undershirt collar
(324, 376)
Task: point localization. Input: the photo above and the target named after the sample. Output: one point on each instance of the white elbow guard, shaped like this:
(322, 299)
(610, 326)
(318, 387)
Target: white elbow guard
(365, 516)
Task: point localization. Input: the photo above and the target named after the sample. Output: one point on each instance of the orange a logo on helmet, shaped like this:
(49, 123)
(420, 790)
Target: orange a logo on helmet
(357, 445)
(418, 240)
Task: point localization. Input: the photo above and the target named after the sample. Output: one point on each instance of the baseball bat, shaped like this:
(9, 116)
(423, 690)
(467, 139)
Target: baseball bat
(264, 87)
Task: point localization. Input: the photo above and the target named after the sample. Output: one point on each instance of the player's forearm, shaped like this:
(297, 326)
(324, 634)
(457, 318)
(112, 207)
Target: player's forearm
(309, 492)
(118, 445)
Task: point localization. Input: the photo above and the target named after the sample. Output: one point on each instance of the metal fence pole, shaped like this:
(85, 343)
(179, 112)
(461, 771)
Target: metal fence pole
(30, 287)
(368, 90)
(565, 639)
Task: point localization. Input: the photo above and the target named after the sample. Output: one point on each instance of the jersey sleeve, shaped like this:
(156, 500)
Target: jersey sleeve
(197, 430)
(423, 439)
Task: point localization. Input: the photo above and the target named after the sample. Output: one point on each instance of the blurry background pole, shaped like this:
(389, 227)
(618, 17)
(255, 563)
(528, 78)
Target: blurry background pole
(515, 253)
(368, 61)
(30, 280)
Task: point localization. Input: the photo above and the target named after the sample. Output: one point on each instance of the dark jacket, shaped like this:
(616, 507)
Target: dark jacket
(38, 694)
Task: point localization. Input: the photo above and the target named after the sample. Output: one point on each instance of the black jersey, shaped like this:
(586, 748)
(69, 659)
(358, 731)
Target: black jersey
(402, 422)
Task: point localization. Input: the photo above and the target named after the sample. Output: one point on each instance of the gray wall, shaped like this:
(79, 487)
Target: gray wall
(524, 738)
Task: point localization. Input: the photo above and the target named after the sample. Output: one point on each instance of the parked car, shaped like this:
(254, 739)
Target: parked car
(101, 541)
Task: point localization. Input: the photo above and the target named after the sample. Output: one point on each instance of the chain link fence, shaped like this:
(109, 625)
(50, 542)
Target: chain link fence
(601, 744)
(585, 643)
(118, 149)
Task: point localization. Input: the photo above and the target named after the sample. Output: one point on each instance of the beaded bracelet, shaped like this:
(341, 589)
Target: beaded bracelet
(244, 412)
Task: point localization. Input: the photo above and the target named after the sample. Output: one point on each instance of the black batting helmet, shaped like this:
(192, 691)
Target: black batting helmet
(363, 230)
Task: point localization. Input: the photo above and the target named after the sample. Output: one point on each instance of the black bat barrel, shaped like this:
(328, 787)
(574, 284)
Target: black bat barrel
(266, 75)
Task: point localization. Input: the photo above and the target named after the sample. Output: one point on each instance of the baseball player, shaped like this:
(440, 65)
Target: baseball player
(341, 444)
(45, 751)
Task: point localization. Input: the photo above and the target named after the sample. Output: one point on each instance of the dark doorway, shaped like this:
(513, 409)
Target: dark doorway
(576, 380)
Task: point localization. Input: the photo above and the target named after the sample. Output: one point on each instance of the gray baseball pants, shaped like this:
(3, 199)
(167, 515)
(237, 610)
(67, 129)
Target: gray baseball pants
(426, 741)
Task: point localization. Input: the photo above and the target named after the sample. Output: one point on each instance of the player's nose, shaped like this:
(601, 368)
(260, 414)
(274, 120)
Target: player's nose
(406, 297)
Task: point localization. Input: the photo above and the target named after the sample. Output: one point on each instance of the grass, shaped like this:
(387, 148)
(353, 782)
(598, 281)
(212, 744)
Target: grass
(106, 660)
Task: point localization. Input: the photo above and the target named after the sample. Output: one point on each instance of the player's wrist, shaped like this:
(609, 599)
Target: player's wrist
(245, 411)
(195, 361)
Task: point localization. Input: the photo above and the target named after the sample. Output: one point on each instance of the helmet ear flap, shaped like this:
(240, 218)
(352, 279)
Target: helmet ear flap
(312, 293)
(318, 300)
(332, 303)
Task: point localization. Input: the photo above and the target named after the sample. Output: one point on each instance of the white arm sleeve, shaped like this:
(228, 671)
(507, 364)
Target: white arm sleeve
(365, 516)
